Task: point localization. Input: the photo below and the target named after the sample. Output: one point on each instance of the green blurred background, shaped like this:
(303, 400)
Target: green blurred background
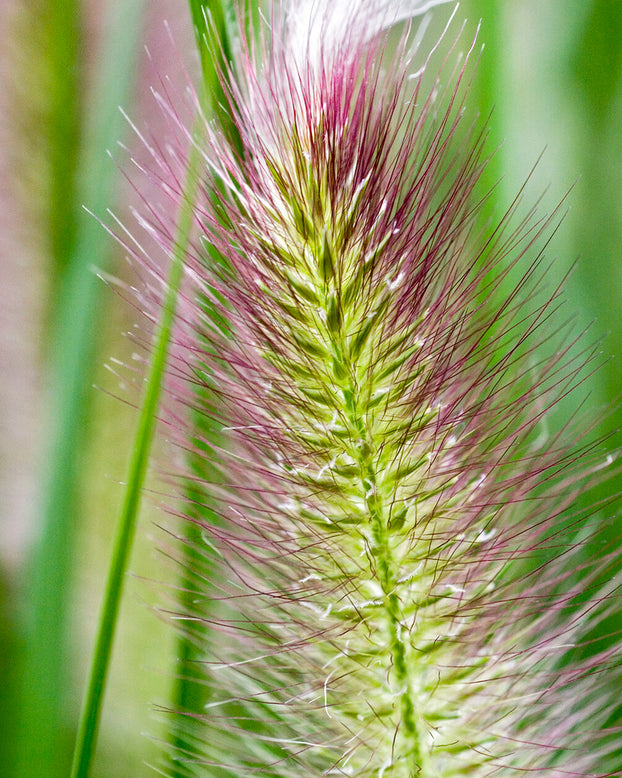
(551, 72)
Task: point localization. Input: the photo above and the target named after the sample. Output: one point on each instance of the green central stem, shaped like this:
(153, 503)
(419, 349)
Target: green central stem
(411, 725)
(386, 573)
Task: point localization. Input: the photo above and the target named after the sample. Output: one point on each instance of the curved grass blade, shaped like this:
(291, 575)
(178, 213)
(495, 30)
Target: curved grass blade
(126, 525)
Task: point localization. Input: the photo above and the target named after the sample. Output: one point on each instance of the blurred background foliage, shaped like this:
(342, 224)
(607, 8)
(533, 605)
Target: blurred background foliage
(550, 72)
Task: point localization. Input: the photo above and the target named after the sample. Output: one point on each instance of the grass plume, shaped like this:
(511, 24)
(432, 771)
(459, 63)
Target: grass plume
(390, 593)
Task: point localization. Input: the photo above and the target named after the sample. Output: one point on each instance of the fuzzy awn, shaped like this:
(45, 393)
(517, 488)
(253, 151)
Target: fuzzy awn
(383, 484)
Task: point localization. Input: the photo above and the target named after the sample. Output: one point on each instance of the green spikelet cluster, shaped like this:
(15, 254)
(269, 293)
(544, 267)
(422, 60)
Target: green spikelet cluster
(368, 605)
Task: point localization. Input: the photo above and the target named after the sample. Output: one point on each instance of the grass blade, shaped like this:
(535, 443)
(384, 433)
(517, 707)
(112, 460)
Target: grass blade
(126, 525)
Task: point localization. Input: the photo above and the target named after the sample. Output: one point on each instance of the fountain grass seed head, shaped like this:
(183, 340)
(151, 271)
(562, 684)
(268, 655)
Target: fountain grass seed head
(389, 592)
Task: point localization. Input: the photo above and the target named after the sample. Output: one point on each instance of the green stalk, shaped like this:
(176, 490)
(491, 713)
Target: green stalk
(190, 690)
(213, 33)
(487, 99)
(42, 740)
(344, 371)
(64, 131)
(126, 526)
(412, 727)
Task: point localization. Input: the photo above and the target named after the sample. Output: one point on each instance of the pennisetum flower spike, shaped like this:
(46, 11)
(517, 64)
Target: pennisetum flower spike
(392, 595)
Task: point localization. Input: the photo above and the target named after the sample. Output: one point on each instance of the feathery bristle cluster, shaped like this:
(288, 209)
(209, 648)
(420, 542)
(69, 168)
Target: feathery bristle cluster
(379, 602)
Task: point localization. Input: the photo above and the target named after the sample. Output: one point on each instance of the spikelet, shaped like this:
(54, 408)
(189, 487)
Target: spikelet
(382, 586)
